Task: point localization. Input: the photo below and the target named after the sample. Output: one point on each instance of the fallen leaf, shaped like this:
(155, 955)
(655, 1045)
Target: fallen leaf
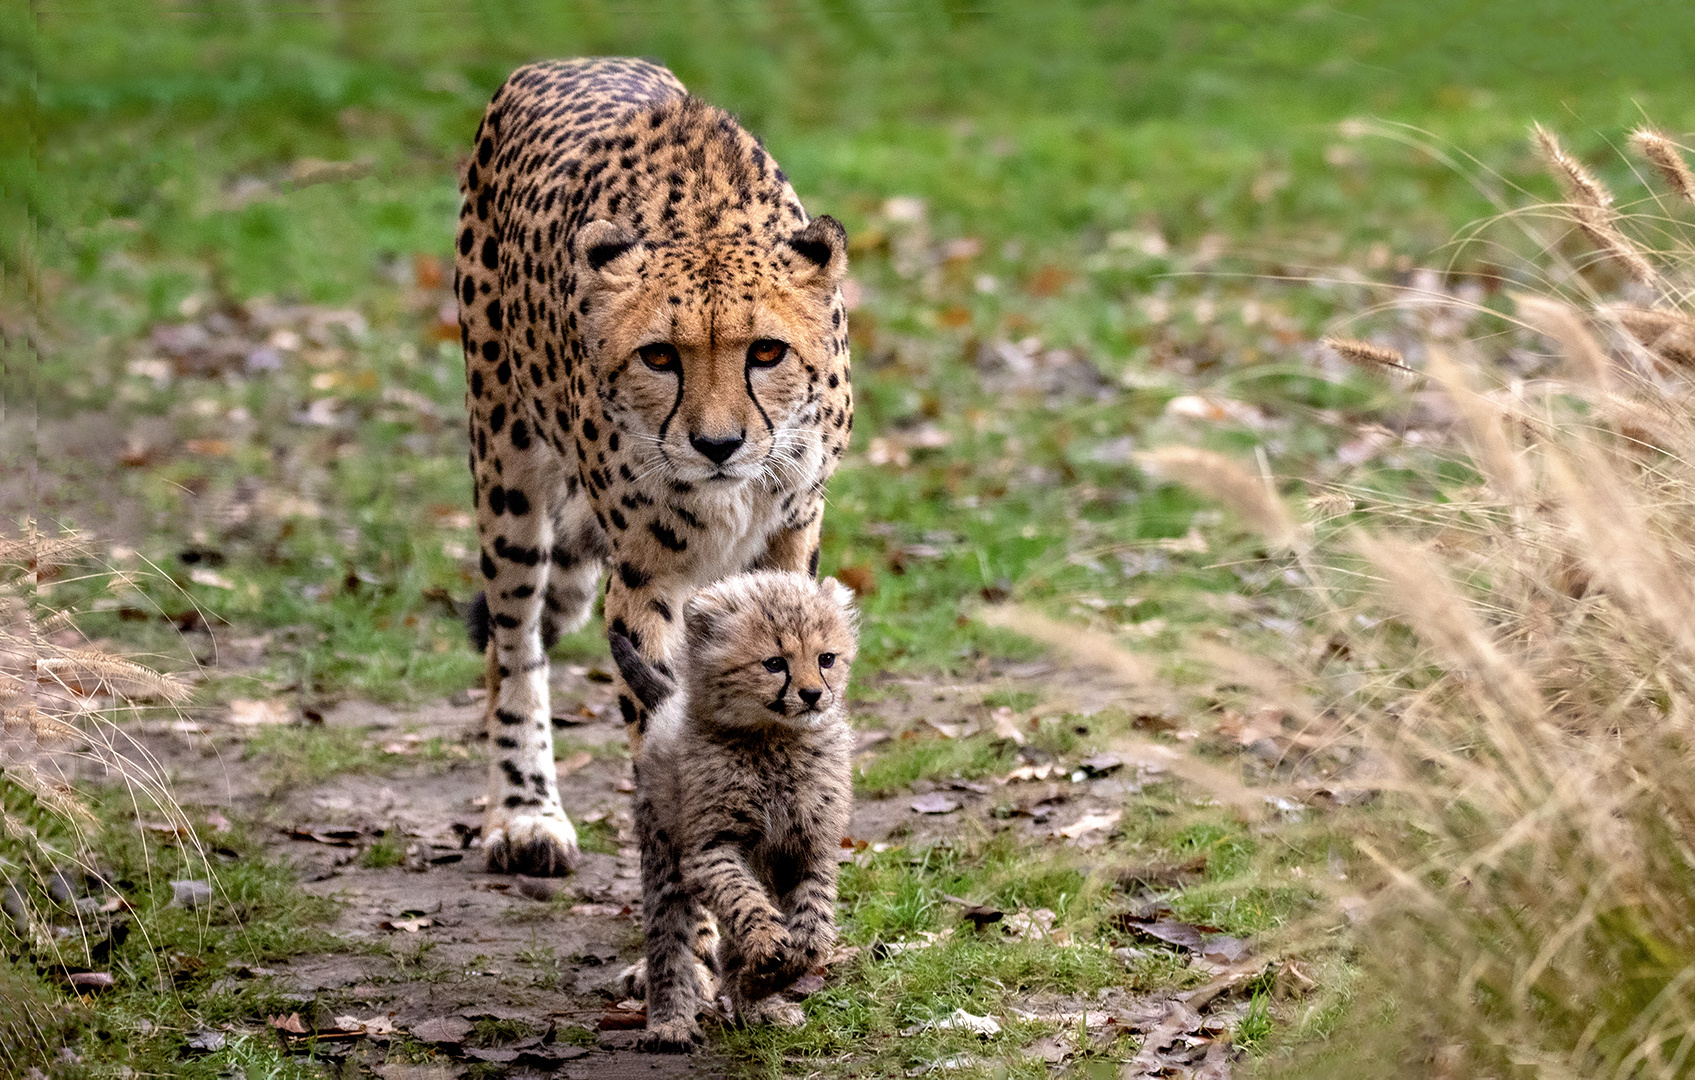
(935, 803)
(605, 910)
(208, 447)
(1089, 823)
(1006, 725)
(619, 1020)
(958, 1020)
(290, 1023)
(205, 575)
(442, 1029)
(91, 980)
(1021, 925)
(205, 1042)
(246, 712)
(566, 766)
(376, 1025)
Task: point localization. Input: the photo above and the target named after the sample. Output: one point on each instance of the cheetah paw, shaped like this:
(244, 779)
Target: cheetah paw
(678, 1036)
(534, 844)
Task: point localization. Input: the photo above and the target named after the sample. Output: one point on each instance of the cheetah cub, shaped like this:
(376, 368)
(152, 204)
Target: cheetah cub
(742, 796)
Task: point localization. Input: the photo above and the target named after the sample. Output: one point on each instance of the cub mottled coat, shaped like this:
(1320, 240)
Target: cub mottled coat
(743, 793)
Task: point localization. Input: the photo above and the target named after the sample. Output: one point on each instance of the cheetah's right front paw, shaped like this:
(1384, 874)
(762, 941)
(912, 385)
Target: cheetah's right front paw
(671, 1037)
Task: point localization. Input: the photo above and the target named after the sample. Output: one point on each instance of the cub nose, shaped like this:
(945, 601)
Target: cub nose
(811, 697)
(717, 450)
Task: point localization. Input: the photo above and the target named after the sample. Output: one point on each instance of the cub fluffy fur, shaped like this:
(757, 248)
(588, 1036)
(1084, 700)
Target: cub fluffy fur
(742, 795)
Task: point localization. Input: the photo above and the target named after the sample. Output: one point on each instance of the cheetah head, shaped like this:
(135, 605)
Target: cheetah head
(714, 355)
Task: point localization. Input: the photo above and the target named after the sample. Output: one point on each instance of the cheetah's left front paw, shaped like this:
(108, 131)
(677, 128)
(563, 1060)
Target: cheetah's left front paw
(540, 845)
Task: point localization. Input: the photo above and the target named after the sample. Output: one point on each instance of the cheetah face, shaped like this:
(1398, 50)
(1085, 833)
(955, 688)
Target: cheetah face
(771, 648)
(713, 357)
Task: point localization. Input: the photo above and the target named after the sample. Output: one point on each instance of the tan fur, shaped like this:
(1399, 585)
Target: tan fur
(743, 796)
(608, 214)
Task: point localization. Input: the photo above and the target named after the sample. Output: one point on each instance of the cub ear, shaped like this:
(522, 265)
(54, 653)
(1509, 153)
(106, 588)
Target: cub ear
(840, 595)
(822, 251)
(701, 615)
(609, 253)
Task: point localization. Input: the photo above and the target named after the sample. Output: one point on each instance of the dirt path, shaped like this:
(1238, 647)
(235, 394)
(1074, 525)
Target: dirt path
(519, 973)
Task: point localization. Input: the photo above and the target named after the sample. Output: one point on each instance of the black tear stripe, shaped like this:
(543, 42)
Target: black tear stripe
(747, 377)
(776, 705)
(665, 425)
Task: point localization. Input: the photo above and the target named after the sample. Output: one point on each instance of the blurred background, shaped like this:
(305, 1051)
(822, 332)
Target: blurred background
(227, 244)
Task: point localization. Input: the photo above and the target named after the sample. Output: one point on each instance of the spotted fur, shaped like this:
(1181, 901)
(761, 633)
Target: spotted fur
(743, 795)
(656, 350)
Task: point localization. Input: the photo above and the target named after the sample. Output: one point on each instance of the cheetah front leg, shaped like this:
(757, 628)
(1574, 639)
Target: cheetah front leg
(525, 831)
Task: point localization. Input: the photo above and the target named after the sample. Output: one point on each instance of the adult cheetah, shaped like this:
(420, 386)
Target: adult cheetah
(657, 357)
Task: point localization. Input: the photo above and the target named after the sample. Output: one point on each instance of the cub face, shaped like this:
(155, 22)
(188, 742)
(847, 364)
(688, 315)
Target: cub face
(770, 648)
(709, 353)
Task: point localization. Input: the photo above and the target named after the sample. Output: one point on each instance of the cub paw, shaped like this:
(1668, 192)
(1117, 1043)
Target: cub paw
(671, 1037)
(633, 980)
(540, 845)
(765, 949)
(775, 1011)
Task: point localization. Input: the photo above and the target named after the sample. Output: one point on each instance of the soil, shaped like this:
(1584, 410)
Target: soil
(434, 944)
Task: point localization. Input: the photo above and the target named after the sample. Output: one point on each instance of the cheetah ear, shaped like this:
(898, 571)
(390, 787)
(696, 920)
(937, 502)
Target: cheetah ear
(608, 252)
(822, 251)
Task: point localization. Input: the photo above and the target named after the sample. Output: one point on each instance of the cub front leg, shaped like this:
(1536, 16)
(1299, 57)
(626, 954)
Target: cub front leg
(525, 831)
(756, 946)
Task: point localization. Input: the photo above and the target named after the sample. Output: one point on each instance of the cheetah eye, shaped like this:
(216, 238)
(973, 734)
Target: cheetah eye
(775, 664)
(826, 659)
(766, 352)
(660, 356)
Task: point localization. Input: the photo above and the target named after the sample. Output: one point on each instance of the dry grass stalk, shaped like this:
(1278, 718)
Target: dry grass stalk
(1667, 334)
(1588, 361)
(1591, 207)
(1664, 155)
(1249, 496)
(1486, 429)
(49, 691)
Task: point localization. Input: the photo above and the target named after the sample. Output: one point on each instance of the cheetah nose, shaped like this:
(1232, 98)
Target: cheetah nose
(811, 697)
(717, 450)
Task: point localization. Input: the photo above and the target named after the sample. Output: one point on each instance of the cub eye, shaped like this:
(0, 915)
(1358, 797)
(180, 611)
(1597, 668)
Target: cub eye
(826, 659)
(776, 663)
(660, 356)
(766, 352)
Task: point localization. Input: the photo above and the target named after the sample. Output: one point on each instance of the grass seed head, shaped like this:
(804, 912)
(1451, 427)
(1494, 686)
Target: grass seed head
(1665, 156)
(1591, 207)
(1668, 334)
(1249, 496)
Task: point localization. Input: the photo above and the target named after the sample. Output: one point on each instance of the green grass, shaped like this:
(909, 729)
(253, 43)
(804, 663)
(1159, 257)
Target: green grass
(175, 969)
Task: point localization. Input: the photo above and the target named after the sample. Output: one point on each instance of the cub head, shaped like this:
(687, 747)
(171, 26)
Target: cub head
(712, 351)
(770, 648)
